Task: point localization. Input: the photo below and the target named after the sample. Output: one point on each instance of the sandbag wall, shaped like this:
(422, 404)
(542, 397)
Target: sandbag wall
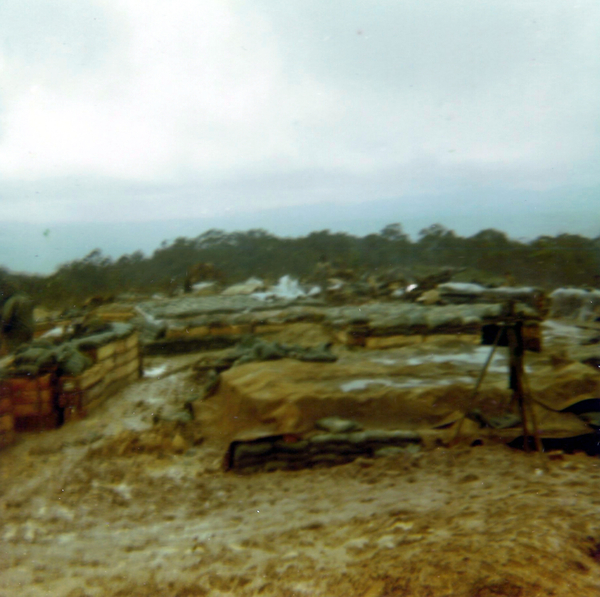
(45, 401)
(116, 365)
(290, 452)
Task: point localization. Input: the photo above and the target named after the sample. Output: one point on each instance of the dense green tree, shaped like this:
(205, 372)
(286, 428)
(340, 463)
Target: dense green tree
(566, 259)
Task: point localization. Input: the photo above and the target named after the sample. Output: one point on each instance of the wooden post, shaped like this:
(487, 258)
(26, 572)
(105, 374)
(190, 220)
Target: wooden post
(515, 347)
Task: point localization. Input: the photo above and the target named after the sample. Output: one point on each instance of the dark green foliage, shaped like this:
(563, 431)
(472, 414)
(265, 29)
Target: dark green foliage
(547, 261)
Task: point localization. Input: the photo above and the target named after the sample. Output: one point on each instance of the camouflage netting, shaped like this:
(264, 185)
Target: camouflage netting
(254, 349)
(40, 356)
(112, 332)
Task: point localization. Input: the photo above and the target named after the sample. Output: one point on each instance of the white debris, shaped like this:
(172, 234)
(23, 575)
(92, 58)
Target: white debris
(286, 288)
(250, 286)
(460, 288)
(147, 317)
(57, 332)
(203, 286)
(155, 371)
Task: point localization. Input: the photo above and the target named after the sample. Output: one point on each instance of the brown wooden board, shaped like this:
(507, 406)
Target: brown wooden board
(100, 353)
(87, 379)
(115, 315)
(187, 332)
(122, 371)
(33, 397)
(7, 422)
(37, 422)
(35, 409)
(29, 383)
(126, 357)
(7, 437)
(94, 392)
(5, 405)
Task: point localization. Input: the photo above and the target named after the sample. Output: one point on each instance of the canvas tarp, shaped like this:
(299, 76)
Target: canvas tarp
(385, 390)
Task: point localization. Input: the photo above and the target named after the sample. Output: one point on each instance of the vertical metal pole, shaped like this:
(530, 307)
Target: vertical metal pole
(515, 345)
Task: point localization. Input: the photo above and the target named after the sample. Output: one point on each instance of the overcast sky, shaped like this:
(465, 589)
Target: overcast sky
(124, 122)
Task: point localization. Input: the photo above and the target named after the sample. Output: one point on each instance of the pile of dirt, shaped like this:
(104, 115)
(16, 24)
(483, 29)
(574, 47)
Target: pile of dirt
(163, 439)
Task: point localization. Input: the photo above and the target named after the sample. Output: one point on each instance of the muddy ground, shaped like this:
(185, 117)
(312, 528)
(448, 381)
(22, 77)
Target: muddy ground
(133, 502)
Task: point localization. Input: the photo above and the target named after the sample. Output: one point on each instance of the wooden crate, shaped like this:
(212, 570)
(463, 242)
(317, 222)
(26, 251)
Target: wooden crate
(5, 404)
(31, 396)
(77, 392)
(37, 422)
(7, 429)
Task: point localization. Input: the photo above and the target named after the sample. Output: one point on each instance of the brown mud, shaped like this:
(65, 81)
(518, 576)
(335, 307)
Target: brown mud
(133, 502)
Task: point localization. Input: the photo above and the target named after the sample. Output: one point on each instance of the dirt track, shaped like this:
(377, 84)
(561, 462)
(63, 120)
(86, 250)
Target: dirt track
(115, 505)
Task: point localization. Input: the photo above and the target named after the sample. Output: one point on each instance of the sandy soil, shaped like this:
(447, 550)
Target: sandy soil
(120, 505)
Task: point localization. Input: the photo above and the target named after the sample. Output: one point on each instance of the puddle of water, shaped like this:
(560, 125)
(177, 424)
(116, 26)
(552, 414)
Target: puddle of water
(477, 357)
(412, 382)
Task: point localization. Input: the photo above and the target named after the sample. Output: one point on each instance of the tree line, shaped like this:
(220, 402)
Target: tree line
(547, 261)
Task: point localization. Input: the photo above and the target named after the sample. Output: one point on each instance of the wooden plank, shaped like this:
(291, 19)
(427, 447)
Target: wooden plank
(377, 342)
(32, 397)
(126, 357)
(93, 393)
(115, 315)
(29, 383)
(133, 376)
(123, 370)
(87, 379)
(269, 328)
(133, 340)
(120, 346)
(7, 438)
(38, 408)
(36, 422)
(230, 330)
(188, 332)
(7, 422)
(5, 405)
(100, 353)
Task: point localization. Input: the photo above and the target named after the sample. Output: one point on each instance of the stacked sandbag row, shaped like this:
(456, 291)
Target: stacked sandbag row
(386, 324)
(222, 330)
(291, 452)
(117, 363)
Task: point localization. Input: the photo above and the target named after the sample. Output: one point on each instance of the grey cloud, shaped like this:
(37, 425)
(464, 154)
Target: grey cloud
(242, 111)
